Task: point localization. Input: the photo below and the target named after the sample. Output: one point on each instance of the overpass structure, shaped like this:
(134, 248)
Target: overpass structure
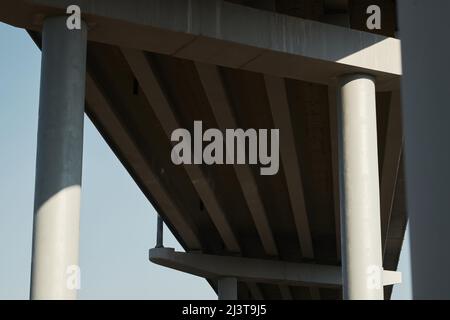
(328, 225)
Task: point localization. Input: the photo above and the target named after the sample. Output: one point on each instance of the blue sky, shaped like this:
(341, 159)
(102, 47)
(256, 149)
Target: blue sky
(118, 224)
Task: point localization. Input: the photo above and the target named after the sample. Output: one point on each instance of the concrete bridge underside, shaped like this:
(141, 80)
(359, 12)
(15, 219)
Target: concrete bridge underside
(167, 76)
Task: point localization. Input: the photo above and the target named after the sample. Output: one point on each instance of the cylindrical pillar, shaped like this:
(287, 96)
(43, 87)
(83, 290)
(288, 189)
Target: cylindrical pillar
(59, 160)
(359, 189)
(227, 289)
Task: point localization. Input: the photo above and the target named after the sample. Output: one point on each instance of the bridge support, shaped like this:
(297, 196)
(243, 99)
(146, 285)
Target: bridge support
(55, 271)
(227, 270)
(227, 288)
(359, 189)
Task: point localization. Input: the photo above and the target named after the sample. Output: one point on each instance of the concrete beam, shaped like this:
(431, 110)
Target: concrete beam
(255, 270)
(279, 106)
(151, 88)
(246, 269)
(391, 277)
(226, 34)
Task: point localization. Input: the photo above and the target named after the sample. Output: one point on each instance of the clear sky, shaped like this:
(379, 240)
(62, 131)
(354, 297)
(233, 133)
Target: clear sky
(118, 224)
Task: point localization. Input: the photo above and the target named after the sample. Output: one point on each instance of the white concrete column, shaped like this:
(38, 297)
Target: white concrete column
(54, 273)
(359, 189)
(227, 289)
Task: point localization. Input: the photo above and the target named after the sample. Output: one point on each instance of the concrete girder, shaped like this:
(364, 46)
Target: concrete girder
(256, 270)
(226, 34)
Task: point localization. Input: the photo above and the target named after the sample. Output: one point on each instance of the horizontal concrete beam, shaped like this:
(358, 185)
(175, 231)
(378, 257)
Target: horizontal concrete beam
(391, 277)
(255, 270)
(226, 34)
